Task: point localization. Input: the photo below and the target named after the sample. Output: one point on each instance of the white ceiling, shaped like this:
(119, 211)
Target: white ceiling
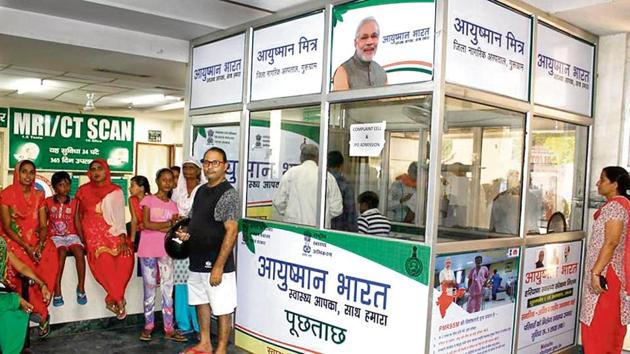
(125, 51)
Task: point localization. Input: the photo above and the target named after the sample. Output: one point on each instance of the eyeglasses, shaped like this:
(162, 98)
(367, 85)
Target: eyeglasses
(213, 163)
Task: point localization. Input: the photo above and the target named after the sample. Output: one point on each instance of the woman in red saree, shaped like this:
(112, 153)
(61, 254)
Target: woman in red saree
(102, 219)
(24, 222)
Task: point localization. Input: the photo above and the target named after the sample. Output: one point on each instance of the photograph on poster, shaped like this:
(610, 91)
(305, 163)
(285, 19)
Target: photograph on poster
(474, 301)
(549, 297)
(382, 43)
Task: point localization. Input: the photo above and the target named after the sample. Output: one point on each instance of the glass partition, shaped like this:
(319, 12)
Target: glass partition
(282, 169)
(378, 155)
(558, 169)
(482, 157)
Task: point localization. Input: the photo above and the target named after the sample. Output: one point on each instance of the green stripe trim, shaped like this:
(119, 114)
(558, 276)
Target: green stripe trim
(410, 259)
(421, 70)
(340, 10)
(310, 131)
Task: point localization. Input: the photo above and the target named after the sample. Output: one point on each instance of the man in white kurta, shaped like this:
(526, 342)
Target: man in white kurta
(295, 200)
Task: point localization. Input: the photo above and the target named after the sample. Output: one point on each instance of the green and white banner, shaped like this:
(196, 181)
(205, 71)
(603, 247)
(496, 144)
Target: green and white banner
(70, 141)
(4, 117)
(303, 290)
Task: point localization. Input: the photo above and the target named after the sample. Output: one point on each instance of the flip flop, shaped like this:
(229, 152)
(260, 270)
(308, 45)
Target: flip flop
(44, 328)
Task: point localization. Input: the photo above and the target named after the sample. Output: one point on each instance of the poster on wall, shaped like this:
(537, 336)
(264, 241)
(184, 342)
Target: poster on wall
(549, 297)
(272, 151)
(378, 43)
(488, 48)
(217, 72)
(564, 71)
(267, 161)
(224, 137)
(287, 58)
(57, 141)
(325, 292)
(474, 302)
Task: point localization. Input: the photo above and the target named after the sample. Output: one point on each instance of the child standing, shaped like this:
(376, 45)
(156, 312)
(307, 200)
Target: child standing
(160, 213)
(65, 233)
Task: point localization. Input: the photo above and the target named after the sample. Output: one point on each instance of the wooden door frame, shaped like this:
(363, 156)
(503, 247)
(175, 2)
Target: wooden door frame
(171, 154)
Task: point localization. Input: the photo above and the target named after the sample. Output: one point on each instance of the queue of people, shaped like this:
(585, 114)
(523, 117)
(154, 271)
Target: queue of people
(38, 234)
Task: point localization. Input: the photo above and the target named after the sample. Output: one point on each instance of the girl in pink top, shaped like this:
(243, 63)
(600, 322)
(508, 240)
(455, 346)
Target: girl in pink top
(159, 214)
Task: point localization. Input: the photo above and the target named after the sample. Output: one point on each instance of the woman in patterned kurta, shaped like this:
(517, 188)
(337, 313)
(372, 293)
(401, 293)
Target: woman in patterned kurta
(606, 312)
(24, 222)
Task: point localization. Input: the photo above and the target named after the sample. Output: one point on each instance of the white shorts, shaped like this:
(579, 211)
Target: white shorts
(222, 298)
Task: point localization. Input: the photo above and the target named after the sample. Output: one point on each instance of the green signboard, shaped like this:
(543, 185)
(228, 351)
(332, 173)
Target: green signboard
(4, 117)
(69, 141)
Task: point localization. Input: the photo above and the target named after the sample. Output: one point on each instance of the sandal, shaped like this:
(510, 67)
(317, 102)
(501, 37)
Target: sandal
(175, 336)
(81, 297)
(145, 335)
(111, 306)
(122, 311)
(57, 301)
(44, 328)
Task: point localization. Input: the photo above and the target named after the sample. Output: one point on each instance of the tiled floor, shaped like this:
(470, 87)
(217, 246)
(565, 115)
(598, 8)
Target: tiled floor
(111, 341)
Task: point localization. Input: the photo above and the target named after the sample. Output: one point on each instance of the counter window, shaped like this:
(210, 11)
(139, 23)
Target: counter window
(558, 170)
(282, 169)
(482, 157)
(377, 162)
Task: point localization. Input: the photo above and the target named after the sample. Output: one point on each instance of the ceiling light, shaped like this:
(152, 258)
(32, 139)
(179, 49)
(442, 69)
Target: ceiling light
(89, 103)
(29, 85)
(147, 100)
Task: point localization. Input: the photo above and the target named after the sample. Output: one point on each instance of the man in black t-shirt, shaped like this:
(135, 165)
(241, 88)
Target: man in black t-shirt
(211, 235)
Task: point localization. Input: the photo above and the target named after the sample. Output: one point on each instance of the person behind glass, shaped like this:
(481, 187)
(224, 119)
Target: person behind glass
(25, 226)
(139, 187)
(400, 193)
(189, 182)
(347, 221)
(159, 214)
(102, 218)
(212, 235)
(361, 71)
(605, 310)
(14, 310)
(296, 198)
(62, 228)
(371, 221)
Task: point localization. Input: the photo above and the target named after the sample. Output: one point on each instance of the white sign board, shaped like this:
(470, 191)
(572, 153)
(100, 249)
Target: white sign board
(488, 48)
(367, 139)
(564, 71)
(549, 298)
(217, 72)
(406, 39)
(302, 290)
(287, 58)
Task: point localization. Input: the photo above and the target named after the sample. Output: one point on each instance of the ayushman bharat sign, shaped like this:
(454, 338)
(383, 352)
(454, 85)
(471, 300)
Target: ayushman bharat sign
(303, 290)
(217, 72)
(57, 141)
(564, 71)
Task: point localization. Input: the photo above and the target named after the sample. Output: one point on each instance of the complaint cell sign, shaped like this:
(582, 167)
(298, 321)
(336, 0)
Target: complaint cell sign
(69, 141)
